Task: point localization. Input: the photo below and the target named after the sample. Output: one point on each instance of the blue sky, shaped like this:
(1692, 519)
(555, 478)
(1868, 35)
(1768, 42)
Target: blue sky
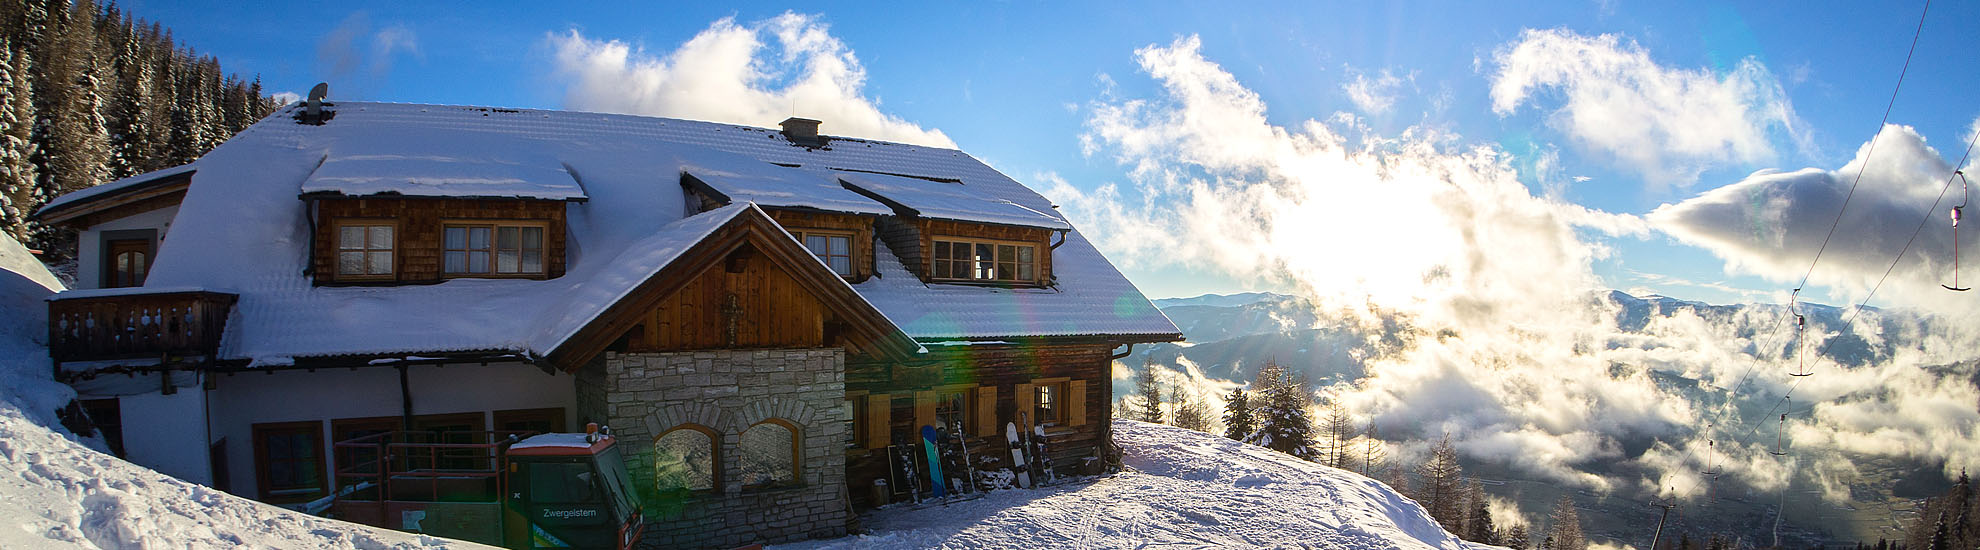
(1029, 87)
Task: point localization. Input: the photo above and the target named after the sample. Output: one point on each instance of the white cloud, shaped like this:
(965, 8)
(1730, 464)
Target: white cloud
(347, 63)
(1772, 223)
(285, 98)
(728, 73)
(1514, 353)
(1669, 124)
(1373, 95)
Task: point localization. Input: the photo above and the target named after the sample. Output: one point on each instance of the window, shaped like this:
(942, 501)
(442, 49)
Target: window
(835, 249)
(354, 462)
(952, 409)
(769, 454)
(1048, 403)
(130, 259)
(107, 417)
(506, 248)
(984, 261)
(684, 459)
(289, 460)
(550, 420)
(364, 249)
(855, 413)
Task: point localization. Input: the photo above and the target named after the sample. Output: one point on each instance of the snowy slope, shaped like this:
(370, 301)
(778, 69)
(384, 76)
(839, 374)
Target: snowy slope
(1183, 488)
(57, 493)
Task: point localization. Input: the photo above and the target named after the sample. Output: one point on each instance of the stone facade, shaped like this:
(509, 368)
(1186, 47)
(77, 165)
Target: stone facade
(643, 395)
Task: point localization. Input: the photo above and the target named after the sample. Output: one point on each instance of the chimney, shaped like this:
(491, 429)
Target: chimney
(802, 131)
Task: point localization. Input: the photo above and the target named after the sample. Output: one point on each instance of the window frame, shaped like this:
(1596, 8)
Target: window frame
(337, 248)
(972, 263)
(116, 249)
(494, 226)
(264, 486)
(852, 248)
(967, 410)
(1060, 388)
(797, 454)
(715, 470)
(856, 433)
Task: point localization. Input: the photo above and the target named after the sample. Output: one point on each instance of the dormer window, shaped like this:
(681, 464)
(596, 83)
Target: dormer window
(986, 261)
(494, 249)
(365, 249)
(835, 249)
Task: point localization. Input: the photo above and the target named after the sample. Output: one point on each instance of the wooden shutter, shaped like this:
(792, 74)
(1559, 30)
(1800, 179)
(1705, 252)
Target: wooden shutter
(877, 413)
(1076, 403)
(986, 412)
(924, 412)
(1025, 398)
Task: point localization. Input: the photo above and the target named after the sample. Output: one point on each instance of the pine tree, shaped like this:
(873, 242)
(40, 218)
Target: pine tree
(1283, 421)
(1151, 393)
(1685, 542)
(1443, 492)
(130, 134)
(1238, 421)
(1565, 531)
(1478, 519)
(1516, 537)
(1190, 413)
(1374, 452)
(1337, 433)
(17, 174)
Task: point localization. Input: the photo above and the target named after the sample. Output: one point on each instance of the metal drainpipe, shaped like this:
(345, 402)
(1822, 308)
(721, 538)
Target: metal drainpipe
(405, 399)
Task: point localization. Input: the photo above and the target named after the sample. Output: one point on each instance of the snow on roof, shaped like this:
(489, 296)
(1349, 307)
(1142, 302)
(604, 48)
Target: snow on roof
(949, 200)
(16, 259)
(559, 440)
(779, 186)
(125, 291)
(471, 166)
(241, 227)
(114, 187)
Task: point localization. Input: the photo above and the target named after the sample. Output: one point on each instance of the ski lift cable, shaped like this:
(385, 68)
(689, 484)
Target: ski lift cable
(1872, 150)
(1752, 428)
(1904, 70)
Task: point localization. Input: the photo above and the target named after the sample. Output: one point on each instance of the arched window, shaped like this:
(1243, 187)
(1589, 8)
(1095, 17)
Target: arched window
(684, 459)
(770, 453)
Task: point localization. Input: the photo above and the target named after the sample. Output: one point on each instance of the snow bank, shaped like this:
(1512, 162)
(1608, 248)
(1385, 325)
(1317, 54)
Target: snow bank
(1183, 489)
(57, 493)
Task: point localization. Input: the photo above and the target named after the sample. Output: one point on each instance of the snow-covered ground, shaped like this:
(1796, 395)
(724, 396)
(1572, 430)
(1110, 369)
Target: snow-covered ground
(55, 492)
(1183, 489)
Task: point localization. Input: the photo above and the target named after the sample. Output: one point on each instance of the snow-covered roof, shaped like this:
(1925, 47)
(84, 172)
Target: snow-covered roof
(948, 200)
(241, 226)
(16, 259)
(556, 440)
(771, 185)
(132, 183)
(475, 166)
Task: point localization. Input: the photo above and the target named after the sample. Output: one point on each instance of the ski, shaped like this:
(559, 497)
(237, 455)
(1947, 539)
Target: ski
(906, 453)
(962, 444)
(936, 483)
(1043, 458)
(1036, 477)
(1017, 455)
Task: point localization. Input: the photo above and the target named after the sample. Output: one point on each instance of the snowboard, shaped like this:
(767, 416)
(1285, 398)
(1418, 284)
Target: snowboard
(928, 441)
(1017, 455)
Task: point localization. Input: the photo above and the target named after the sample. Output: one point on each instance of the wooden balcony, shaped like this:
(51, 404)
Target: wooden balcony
(96, 326)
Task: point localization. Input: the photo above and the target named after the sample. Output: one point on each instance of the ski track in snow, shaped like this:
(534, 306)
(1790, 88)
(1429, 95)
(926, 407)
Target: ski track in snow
(1183, 489)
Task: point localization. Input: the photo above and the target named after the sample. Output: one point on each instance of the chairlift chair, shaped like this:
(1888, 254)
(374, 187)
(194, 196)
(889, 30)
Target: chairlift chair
(1800, 335)
(1964, 194)
(1778, 449)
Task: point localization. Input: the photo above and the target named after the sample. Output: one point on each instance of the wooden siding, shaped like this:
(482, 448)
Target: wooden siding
(913, 240)
(861, 228)
(997, 373)
(771, 310)
(417, 247)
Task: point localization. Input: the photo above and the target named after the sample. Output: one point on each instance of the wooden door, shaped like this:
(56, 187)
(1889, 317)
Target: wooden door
(129, 261)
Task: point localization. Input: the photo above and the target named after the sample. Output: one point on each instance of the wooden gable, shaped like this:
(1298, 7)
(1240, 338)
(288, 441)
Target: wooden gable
(746, 285)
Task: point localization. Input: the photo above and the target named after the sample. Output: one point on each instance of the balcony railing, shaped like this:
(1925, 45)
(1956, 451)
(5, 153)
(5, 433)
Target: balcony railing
(132, 325)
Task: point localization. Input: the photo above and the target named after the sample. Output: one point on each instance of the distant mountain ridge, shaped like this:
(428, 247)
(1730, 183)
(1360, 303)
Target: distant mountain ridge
(1220, 300)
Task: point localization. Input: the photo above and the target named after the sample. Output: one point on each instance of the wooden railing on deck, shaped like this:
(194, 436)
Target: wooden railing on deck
(137, 325)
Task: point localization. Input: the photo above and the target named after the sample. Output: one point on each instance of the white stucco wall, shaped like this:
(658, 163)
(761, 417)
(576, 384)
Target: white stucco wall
(165, 433)
(89, 244)
(242, 400)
